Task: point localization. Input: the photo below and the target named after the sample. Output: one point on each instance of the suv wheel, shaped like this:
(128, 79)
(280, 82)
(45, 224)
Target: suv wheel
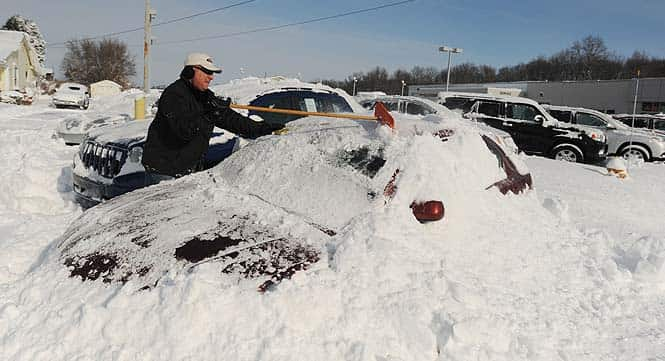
(634, 155)
(567, 154)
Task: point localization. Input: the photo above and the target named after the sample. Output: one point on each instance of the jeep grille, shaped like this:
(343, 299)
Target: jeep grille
(104, 159)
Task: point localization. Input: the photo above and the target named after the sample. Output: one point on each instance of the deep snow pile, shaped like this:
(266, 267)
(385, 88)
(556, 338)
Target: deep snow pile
(540, 276)
(35, 183)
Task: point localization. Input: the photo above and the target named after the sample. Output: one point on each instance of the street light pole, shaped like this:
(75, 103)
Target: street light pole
(403, 85)
(355, 80)
(450, 52)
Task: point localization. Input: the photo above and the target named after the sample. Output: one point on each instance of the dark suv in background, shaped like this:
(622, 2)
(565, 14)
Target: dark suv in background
(532, 128)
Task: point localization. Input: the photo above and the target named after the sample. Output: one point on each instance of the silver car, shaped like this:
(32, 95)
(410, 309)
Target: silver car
(621, 139)
(72, 95)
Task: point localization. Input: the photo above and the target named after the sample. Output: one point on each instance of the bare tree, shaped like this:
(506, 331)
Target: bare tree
(88, 61)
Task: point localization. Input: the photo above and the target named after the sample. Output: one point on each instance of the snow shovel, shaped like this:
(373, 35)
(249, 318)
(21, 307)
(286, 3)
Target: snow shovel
(381, 114)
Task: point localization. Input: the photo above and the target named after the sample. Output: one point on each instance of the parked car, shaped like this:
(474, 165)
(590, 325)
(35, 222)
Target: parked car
(71, 95)
(421, 107)
(268, 210)
(404, 104)
(109, 161)
(16, 97)
(621, 139)
(73, 129)
(654, 123)
(532, 128)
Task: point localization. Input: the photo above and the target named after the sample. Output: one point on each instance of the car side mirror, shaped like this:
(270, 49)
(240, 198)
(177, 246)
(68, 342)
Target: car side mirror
(539, 119)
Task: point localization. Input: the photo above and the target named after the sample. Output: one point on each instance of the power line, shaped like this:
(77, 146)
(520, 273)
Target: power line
(202, 13)
(228, 35)
(158, 24)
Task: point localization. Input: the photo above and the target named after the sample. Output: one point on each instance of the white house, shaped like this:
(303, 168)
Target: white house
(104, 88)
(19, 67)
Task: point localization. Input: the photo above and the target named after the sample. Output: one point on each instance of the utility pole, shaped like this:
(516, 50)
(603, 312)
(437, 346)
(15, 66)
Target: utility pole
(147, 42)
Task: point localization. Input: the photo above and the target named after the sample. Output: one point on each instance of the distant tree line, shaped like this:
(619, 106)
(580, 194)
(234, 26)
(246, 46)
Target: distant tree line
(586, 59)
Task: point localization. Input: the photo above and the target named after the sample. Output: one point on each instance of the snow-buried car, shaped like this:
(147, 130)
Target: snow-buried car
(275, 206)
(109, 161)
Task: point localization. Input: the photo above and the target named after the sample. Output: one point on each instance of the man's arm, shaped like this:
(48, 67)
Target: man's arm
(237, 123)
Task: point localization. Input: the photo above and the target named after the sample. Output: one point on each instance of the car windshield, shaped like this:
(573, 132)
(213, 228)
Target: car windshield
(561, 115)
(636, 122)
(464, 104)
(589, 119)
(302, 100)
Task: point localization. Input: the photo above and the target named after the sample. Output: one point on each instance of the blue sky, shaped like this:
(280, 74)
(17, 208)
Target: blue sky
(497, 33)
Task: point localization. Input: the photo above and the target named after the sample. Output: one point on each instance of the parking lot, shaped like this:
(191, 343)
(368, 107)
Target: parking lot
(595, 279)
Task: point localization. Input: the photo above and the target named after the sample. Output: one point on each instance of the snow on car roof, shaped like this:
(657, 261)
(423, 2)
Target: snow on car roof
(74, 87)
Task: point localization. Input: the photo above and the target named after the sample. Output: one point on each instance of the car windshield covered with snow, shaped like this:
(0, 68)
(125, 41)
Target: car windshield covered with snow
(109, 161)
(272, 208)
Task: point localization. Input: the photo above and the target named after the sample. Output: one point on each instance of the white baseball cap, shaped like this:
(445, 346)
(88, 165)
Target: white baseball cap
(202, 60)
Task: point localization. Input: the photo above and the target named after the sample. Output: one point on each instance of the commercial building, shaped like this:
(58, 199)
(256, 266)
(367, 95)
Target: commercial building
(610, 96)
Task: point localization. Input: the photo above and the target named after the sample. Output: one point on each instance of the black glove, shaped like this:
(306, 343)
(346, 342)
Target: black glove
(275, 126)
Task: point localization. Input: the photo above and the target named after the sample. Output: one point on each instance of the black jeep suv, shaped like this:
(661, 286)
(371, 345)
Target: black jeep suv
(533, 129)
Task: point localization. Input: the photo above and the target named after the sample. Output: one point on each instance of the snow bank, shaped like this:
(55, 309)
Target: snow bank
(569, 271)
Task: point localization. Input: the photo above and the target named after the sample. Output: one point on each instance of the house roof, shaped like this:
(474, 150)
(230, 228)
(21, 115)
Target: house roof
(9, 42)
(106, 82)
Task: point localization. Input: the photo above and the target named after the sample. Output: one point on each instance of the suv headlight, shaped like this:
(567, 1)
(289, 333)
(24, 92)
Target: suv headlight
(135, 154)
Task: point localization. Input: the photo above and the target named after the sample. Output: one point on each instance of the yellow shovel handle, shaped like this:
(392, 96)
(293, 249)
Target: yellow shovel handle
(300, 112)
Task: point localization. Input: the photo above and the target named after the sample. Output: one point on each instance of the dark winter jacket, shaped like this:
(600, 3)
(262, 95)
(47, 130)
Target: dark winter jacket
(179, 135)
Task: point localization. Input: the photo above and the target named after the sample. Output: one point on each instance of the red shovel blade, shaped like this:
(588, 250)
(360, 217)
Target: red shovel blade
(383, 116)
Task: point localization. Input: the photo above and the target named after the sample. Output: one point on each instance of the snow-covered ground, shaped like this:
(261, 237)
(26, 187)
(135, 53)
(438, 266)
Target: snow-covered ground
(574, 270)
